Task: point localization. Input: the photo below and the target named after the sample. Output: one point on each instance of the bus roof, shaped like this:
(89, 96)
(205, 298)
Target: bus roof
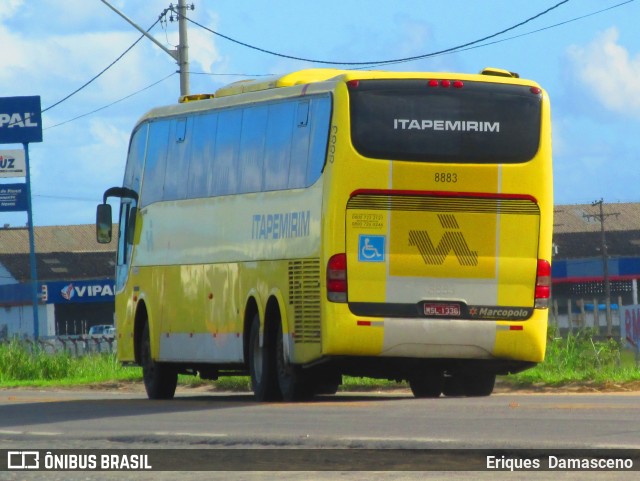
(310, 81)
(308, 76)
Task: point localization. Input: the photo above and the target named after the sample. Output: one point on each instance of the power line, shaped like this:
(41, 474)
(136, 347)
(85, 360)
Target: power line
(232, 74)
(103, 70)
(112, 103)
(62, 197)
(551, 26)
(469, 46)
(382, 62)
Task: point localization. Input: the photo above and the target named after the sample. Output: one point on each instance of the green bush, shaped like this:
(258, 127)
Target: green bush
(25, 363)
(21, 362)
(582, 357)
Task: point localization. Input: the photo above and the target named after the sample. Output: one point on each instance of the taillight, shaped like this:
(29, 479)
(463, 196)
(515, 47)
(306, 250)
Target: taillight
(543, 284)
(456, 84)
(337, 278)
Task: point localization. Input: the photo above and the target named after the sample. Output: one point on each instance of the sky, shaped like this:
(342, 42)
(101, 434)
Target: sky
(585, 53)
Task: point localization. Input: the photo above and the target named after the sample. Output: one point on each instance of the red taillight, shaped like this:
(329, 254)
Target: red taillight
(337, 278)
(535, 90)
(445, 83)
(543, 284)
(354, 84)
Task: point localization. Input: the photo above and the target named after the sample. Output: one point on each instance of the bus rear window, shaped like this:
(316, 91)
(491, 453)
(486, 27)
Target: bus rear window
(477, 123)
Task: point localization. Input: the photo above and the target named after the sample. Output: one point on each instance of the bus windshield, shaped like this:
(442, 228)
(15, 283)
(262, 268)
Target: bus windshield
(473, 122)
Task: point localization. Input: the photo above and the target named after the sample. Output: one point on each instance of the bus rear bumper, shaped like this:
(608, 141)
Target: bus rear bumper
(440, 338)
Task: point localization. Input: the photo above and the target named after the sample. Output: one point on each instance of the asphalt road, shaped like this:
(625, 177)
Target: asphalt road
(116, 419)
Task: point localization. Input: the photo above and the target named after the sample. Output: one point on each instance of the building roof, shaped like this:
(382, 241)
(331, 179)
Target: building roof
(586, 218)
(577, 231)
(55, 238)
(61, 266)
(62, 253)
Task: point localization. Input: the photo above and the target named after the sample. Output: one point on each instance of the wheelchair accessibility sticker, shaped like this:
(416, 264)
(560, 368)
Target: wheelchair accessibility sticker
(371, 248)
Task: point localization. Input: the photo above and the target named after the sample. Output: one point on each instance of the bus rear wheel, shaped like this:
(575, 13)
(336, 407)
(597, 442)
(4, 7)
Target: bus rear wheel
(480, 384)
(262, 364)
(470, 384)
(160, 380)
(427, 385)
(294, 385)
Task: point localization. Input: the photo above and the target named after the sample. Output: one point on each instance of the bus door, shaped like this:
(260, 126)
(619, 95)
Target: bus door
(128, 210)
(129, 204)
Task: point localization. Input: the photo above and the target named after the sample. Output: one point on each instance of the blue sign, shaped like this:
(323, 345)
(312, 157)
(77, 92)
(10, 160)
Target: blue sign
(20, 120)
(371, 248)
(101, 290)
(13, 197)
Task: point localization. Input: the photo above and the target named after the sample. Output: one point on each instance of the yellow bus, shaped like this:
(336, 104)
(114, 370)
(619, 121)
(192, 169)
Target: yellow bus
(327, 223)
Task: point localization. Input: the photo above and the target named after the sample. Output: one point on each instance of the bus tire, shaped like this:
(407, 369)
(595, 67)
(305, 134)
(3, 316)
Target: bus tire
(262, 364)
(160, 380)
(454, 385)
(470, 384)
(479, 384)
(427, 385)
(327, 389)
(294, 385)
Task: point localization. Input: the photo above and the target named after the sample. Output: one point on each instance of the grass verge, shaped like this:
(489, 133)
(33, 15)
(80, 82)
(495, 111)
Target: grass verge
(581, 357)
(578, 358)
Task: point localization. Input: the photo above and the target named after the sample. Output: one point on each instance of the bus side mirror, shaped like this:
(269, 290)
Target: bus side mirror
(103, 224)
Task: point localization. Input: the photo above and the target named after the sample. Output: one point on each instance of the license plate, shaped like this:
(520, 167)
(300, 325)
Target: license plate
(441, 309)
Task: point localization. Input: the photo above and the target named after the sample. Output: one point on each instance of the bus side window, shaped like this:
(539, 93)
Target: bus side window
(252, 143)
(224, 178)
(122, 234)
(278, 149)
(300, 147)
(320, 120)
(131, 224)
(156, 162)
(177, 168)
(202, 151)
(302, 118)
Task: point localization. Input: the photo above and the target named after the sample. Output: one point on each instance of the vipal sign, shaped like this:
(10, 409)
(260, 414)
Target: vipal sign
(20, 120)
(101, 290)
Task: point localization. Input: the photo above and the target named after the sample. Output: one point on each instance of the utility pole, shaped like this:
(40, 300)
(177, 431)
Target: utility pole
(605, 260)
(181, 53)
(183, 47)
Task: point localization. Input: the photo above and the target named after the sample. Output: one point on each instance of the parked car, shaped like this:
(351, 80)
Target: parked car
(100, 330)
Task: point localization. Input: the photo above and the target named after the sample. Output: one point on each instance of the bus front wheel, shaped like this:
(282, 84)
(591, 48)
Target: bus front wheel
(160, 380)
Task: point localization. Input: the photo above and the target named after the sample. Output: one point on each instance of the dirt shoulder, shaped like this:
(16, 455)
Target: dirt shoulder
(501, 387)
(574, 387)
